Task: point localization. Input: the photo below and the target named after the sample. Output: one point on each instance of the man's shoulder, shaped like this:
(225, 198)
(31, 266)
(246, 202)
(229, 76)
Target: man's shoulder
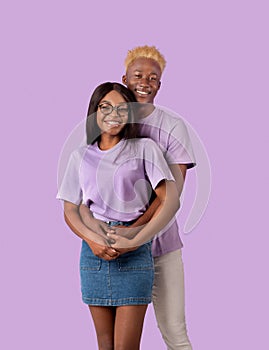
(169, 116)
(143, 142)
(165, 120)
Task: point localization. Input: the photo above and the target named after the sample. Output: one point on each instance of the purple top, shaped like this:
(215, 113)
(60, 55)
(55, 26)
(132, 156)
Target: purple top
(170, 133)
(117, 183)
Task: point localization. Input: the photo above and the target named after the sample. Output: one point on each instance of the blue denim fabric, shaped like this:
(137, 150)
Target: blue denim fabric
(122, 223)
(127, 280)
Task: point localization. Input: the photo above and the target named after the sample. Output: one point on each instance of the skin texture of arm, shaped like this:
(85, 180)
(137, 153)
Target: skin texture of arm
(91, 222)
(179, 173)
(96, 241)
(167, 193)
(102, 228)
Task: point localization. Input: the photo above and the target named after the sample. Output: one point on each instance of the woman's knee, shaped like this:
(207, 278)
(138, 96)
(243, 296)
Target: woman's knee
(105, 344)
(121, 346)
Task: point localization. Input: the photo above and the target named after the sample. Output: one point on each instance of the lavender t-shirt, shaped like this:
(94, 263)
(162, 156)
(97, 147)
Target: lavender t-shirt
(170, 133)
(117, 183)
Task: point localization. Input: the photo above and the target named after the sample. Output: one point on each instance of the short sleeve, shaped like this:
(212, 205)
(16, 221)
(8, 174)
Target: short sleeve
(70, 188)
(180, 148)
(156, 167)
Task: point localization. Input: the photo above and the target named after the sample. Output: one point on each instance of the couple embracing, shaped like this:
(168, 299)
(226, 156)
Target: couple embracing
(121, 193)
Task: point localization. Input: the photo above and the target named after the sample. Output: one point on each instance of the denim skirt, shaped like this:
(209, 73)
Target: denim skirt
(126, 280)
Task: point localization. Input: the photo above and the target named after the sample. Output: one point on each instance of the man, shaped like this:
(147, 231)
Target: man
(144, 66)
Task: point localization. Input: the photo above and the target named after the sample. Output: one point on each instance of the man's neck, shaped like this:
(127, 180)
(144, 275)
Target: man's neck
(145, 109)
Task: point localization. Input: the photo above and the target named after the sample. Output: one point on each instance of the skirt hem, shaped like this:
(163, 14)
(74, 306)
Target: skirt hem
(116, 302)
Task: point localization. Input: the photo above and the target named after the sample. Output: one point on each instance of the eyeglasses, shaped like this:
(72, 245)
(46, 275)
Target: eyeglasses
(106, 109)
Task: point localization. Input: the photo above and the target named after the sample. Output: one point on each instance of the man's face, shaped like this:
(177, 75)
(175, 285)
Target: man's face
(143, 79)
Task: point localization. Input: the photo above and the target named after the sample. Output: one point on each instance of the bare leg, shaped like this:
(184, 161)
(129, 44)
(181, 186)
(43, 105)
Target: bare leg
(128, 326)
(104, 322)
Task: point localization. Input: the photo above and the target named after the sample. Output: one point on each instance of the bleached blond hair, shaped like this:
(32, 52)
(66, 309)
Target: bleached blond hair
(145, 52)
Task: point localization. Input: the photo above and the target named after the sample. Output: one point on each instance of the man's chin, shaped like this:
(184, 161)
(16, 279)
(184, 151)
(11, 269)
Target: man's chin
(144, 99)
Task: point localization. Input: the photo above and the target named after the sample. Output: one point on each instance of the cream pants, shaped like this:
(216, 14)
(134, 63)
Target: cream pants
(169, 302)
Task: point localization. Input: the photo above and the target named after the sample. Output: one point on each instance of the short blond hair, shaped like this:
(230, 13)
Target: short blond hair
(145, 52)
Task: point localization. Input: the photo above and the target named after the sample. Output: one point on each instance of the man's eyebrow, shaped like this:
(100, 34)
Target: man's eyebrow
(139, 71)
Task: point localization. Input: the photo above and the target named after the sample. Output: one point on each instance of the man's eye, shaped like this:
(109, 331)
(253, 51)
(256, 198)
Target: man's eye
(138, 76)
(153, 78)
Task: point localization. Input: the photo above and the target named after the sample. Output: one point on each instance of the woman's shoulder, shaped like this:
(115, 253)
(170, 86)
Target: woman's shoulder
(80, 152)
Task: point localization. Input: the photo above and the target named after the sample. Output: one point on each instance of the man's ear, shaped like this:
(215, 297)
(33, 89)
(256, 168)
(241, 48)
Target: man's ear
(160, 83)
(124, 80)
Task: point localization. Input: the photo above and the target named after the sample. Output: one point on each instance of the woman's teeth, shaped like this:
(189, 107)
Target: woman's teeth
(111, 122)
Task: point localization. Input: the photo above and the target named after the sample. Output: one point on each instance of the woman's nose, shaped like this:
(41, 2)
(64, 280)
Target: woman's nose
(115, 113)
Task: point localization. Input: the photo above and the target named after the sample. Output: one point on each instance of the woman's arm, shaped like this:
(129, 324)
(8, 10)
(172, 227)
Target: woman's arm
(91, 222)
(96, 241)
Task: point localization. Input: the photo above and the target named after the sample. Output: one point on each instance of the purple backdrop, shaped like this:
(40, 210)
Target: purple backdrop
(53, 54)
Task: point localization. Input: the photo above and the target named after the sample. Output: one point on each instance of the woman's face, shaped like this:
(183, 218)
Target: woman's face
(112, 113)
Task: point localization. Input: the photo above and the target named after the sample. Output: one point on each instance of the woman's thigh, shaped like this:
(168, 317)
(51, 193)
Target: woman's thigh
(128, 326)
(104, 322)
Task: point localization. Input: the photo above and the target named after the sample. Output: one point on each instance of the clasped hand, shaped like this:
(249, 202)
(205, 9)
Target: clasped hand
(113, 242)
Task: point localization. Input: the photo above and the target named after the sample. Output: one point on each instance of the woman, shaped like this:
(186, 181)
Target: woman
(114, 176)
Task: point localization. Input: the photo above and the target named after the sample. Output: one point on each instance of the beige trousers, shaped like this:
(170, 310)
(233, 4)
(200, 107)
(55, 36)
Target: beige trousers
(169, 302)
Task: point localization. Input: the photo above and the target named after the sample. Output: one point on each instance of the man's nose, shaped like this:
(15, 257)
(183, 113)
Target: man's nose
(144, 81)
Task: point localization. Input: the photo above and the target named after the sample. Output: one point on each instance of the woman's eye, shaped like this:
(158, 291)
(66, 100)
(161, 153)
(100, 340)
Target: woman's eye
(123, 110)
(105, 108)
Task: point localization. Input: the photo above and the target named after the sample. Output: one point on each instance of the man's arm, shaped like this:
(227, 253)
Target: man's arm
(167, 194)
(179, 173)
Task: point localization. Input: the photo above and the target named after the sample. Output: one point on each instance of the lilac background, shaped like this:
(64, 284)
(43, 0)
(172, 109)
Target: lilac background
(53, 53)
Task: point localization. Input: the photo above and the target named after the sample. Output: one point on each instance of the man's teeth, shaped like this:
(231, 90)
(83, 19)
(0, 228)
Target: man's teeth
(142, 92)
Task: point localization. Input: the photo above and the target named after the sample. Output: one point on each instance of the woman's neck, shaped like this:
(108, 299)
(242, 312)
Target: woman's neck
(108, 141)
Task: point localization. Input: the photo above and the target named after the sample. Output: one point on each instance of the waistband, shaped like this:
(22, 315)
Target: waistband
(122, 223)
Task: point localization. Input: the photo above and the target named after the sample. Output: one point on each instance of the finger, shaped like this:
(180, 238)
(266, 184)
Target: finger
(112, 235)
(103, 227)
(111, 241)
(110, 251)
(111, 230)
(109, 257)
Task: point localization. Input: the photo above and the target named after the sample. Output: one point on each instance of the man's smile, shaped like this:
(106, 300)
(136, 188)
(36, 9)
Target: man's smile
(142, 93)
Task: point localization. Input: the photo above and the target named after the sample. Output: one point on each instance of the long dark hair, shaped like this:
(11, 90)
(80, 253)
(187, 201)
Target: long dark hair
(93, 132)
